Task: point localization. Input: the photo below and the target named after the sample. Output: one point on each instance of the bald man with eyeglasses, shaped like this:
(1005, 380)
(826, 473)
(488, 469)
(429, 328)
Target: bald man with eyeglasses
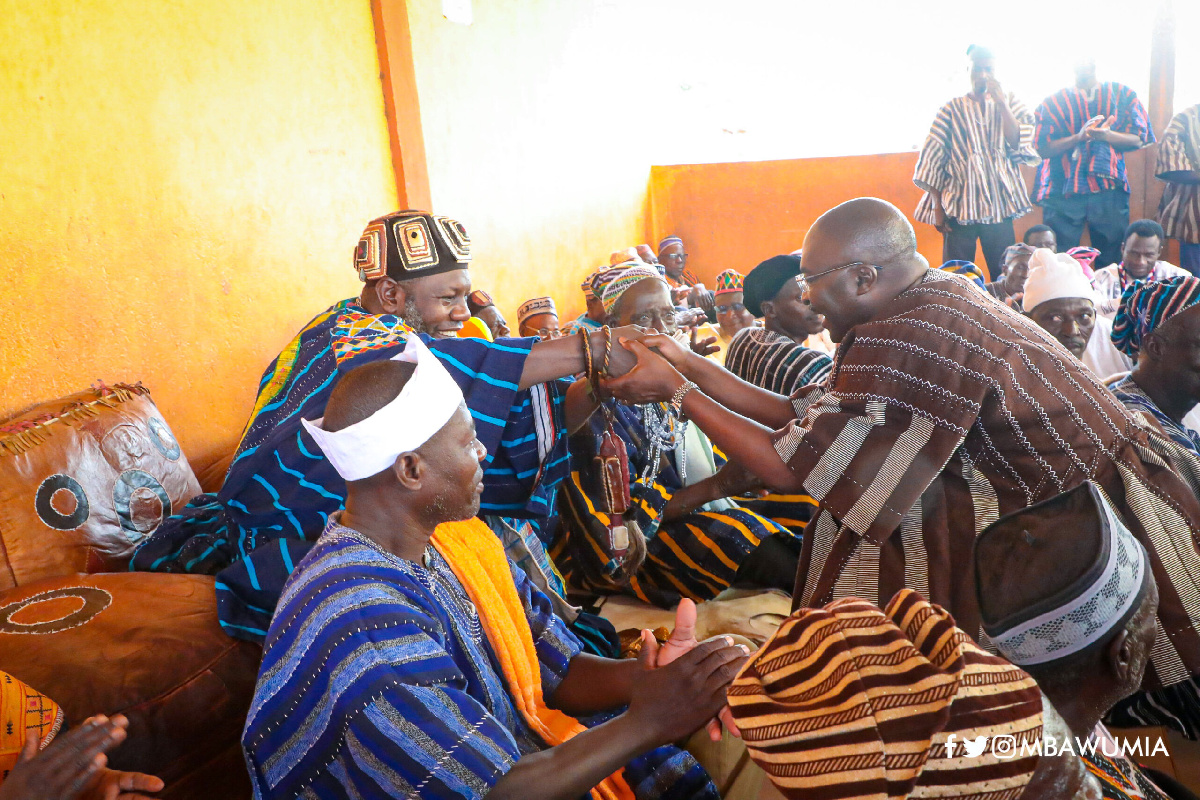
(945, 410)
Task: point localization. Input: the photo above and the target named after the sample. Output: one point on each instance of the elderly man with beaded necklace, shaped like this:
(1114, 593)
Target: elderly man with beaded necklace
(279, 492)
(697, 541)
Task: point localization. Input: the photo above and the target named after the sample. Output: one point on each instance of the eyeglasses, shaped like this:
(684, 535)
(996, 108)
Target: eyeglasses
(677, 256)
(732, 306)
(805, 281)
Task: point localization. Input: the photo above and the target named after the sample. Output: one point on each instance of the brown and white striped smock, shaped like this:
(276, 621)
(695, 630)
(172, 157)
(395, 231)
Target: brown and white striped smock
(1179, 165)
(849, 701)
(952, 410)
(966, 159)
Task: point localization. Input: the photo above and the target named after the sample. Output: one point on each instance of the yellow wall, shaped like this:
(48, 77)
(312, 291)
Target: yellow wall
(181, 187)
(531, 118)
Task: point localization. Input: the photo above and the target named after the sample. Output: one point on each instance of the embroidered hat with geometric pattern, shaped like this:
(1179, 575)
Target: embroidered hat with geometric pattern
(538, 305)
(478, 300)
(728, 281)
(853, 702)
(1059, 577)
(411, 244)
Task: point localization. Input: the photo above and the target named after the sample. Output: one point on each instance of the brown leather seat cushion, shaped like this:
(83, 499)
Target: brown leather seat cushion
(83, 480)
(147, 646)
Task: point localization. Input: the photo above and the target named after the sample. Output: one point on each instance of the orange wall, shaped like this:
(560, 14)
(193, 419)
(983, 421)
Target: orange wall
(732, 216)
(181, 188)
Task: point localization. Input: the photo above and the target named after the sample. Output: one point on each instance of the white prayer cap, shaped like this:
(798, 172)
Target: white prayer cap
(1053, 276)
(423, 407)
(1079, 608)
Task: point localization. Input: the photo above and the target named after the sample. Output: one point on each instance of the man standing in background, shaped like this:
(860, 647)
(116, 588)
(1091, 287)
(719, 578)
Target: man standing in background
(1179, 166)
(968, 167)
(1082, 133)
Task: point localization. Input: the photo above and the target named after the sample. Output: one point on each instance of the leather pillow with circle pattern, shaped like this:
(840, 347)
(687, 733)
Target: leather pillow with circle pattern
(83, 480)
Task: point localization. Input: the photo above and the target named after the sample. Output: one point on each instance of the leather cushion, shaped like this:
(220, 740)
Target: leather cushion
(148, 646)
(83, 480)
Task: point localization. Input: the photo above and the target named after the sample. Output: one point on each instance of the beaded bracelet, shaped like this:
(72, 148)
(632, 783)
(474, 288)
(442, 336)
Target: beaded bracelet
(586, 340)
(607, 350)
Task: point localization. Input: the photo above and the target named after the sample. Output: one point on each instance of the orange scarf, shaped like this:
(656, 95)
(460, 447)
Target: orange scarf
(477, 558)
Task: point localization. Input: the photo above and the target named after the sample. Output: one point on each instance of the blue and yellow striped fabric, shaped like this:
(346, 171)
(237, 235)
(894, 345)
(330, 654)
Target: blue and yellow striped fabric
(696, 555)
(280, 489)
(378, 681)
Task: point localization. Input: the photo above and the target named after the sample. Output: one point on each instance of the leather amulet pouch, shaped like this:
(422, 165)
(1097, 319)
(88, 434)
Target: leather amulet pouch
(613, 466)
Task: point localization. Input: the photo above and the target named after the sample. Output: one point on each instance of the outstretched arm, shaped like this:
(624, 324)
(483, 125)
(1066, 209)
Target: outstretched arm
(560, 358)
(741, 439)
(770, 409)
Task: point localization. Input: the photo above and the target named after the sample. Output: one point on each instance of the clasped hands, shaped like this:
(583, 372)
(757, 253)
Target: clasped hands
(650, 367)
(1097, 128)
(698, 682)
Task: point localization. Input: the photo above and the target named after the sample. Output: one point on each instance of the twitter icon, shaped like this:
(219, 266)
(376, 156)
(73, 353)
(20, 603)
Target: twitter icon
(975, 747)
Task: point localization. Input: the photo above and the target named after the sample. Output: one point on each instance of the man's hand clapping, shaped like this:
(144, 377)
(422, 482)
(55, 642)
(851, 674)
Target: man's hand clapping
(676, 700)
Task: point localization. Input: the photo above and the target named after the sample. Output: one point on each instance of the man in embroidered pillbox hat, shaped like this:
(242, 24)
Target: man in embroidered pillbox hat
(409, 657)
(538, 317)
(280, 490)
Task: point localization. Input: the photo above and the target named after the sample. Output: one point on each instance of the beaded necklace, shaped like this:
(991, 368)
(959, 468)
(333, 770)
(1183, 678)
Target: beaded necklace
(665, 433)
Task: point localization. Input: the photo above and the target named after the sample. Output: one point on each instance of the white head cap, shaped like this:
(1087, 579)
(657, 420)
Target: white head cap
(423, 407)
(1053, 276)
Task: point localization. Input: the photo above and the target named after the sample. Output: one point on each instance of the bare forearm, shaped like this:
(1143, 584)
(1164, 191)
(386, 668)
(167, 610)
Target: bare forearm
(1056, 147)
(578, 406)
(1012, 129)
(572, 768)
(742, 440)
(553, 359)
(770, 409)
(594, 684)
(1124, 141)
(689, 498)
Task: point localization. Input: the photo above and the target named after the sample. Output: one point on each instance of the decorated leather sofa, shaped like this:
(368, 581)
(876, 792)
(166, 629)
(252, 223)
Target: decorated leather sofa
(83, 480)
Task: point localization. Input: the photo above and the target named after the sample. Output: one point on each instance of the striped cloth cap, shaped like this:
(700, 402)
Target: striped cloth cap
(588, 283)
(728, 281)
(667, 242)
(624, 280)
(848, 701)
(968, 269)
(1086, 256)
(1145, 305)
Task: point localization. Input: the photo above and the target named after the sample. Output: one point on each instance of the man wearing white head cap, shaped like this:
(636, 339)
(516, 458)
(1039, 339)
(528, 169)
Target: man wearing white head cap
(409, 658)
(1060, 298)
(1077, 613)
(279, 491)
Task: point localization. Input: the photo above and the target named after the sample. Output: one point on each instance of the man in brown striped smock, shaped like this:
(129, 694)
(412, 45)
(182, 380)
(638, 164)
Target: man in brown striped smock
(1179, 166)
(968, 167)
(945, 410)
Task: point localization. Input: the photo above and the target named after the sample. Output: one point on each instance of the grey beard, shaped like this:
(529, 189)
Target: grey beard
(413, 317)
